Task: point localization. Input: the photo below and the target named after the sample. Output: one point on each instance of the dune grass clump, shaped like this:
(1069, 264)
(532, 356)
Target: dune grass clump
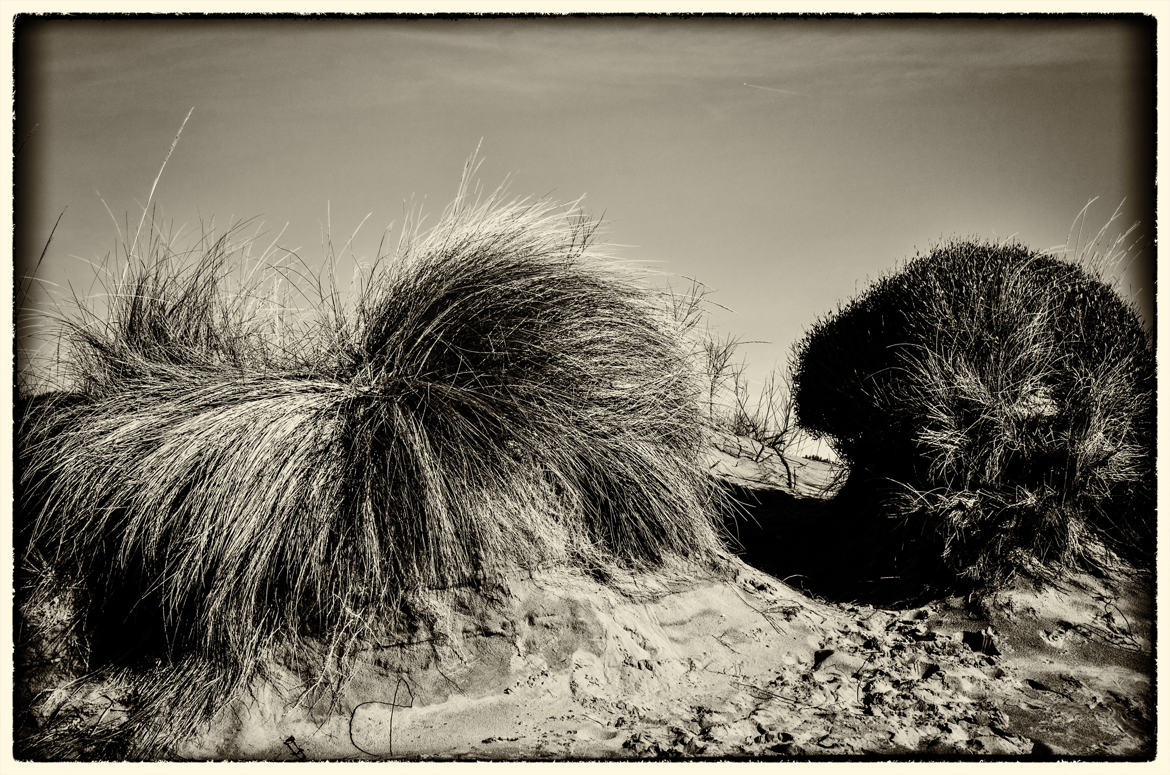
(498, 396)
(998, 399)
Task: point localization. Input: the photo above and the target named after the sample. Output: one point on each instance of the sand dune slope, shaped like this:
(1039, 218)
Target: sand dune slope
(562, 667)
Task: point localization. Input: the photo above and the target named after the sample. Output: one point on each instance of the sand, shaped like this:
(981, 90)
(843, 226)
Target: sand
(702, 663)
(739, 668)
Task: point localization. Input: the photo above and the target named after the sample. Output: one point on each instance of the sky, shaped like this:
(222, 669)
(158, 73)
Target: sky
(782, 162)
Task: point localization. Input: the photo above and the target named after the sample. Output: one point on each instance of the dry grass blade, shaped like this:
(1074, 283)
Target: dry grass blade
(153, 186)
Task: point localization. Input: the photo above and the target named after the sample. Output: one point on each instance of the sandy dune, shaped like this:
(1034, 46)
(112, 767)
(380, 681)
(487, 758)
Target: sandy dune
(745, 667)
(725, 663)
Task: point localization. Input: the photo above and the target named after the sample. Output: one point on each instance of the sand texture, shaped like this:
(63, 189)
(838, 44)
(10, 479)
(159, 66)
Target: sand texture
(713, 663)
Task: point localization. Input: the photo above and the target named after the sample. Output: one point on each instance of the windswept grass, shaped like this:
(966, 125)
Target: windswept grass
(225, 481)
(1000, 400)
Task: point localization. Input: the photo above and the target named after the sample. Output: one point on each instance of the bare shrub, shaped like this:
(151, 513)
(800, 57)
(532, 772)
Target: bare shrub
(757, 421)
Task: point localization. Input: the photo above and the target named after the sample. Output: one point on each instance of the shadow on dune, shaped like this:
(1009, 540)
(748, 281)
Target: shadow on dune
(840, 547)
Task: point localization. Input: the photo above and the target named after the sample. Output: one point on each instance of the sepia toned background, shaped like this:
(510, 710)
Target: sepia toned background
(781, 161)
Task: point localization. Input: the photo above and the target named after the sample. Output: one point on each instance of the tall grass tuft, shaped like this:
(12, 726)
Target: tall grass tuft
(226, 482)
(999, 399)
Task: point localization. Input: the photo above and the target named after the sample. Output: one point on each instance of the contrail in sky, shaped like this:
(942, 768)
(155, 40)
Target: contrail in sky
(778, 91)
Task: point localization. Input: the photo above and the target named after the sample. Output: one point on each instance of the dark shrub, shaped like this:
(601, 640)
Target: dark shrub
(1001, 396)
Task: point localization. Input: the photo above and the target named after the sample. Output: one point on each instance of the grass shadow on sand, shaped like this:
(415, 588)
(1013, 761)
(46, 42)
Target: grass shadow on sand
(840, 548)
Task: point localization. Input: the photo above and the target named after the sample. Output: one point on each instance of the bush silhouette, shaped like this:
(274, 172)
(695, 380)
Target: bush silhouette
(997, 399)
(499, 397)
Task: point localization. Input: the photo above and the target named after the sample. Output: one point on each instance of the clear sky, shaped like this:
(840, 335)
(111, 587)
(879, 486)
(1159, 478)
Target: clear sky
(781, 161)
